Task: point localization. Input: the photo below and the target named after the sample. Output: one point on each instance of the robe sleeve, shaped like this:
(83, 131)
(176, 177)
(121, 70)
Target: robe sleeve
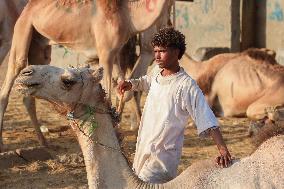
(194, 102)
(141, 84)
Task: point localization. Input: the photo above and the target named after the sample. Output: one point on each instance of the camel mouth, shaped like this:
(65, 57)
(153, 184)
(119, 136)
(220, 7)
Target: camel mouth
(27, 88)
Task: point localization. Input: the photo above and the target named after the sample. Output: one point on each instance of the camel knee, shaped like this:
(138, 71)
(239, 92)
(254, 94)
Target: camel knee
(14, 68)
(256, 113)
(20, 64)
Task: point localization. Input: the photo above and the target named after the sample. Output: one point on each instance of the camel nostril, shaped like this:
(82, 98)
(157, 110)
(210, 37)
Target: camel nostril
(27, 71)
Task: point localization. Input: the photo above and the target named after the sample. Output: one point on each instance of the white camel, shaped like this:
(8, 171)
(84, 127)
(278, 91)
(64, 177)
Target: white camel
(93, 28)
(90, 118)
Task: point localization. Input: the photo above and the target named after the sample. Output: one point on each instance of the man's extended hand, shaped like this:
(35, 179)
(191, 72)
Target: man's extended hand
(123, 86)
(225, 159)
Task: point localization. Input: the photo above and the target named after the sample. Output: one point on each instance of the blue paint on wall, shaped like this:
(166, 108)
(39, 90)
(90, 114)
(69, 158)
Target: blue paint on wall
(207, 5)
(276, 13)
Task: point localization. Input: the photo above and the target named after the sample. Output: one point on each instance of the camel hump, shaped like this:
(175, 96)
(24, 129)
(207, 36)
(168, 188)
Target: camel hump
(262, 54)
(205, 82)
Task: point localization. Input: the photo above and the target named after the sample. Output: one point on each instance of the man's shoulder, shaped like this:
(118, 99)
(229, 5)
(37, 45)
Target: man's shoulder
(186, 79)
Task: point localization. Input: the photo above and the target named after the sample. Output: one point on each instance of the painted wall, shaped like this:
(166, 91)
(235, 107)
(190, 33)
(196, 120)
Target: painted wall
(209, 23)
(270, 21)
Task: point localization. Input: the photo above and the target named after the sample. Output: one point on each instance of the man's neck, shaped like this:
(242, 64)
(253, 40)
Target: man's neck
(167, 72)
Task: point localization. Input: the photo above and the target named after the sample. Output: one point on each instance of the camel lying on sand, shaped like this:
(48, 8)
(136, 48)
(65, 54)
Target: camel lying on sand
(91, 120)
(230, 82)
(240, 84)
(93, 28)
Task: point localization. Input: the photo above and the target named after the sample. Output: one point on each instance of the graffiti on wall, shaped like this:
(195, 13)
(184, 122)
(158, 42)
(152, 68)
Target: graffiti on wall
(151, 5)
(185, 19)
(275, 11)
(182, 17)
(206, 5)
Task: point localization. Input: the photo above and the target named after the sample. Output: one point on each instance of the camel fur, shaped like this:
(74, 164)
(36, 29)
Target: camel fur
(9, 13)
(106, 166)
(93, 28)
(240, 84)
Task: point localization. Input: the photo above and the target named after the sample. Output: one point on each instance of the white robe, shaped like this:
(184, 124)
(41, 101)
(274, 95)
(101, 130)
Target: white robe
(170, 102)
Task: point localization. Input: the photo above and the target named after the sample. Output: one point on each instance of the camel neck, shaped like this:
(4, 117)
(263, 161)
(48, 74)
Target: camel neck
(105, 165)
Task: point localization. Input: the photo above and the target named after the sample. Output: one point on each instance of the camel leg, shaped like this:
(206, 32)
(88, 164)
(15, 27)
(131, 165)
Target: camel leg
(271, 98)
(106, 60)
(39, 53)
(4, 52)
(17, 61)
(29, 103)
(135, 118)
(5, 38)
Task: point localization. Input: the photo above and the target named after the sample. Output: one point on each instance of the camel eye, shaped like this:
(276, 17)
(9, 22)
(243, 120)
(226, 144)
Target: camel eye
(68, 83)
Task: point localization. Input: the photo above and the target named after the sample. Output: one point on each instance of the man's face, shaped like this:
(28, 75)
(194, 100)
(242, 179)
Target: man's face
(166, 57)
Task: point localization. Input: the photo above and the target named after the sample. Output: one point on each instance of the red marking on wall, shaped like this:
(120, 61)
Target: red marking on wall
(151, 5)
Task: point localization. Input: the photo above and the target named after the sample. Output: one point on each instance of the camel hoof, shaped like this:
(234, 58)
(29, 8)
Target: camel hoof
(44, 129)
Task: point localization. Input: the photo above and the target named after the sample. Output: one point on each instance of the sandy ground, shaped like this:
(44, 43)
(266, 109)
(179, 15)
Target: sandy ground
(67, 170)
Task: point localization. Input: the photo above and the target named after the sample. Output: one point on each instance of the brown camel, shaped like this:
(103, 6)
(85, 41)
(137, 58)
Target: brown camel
(91, 120)
(93, 28)
(9, 13)
(240, 84)
(140, 68)
(213, 77)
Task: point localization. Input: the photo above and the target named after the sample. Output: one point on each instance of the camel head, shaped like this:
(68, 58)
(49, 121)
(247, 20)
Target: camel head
(64, 87)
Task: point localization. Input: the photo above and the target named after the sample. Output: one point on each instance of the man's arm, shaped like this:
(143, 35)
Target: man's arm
(141, 84)
(224, 159)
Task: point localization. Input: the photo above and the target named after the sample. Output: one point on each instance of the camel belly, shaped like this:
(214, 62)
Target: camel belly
(237, 88)
(68, 25)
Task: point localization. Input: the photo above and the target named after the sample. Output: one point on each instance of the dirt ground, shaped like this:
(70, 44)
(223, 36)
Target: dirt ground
(67, 170)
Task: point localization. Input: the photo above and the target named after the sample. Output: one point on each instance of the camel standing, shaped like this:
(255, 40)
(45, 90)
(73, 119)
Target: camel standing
(93, 28)
(90, 118)
(140, 68)
(9, 13)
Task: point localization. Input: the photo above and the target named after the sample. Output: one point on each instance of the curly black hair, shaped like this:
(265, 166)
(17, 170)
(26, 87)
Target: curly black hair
(169, 37)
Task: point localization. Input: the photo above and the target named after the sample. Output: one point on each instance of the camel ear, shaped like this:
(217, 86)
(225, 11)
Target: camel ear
(98, 74)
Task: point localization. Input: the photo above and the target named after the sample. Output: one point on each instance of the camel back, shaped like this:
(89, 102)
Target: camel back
(213, 65)
(263, 55)
(265, 59)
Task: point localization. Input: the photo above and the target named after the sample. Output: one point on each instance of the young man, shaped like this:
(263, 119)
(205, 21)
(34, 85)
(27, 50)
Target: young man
(173, 97)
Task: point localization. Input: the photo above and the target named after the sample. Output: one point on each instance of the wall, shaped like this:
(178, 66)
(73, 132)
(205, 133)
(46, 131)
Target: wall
(209, 23)
(270, 26)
